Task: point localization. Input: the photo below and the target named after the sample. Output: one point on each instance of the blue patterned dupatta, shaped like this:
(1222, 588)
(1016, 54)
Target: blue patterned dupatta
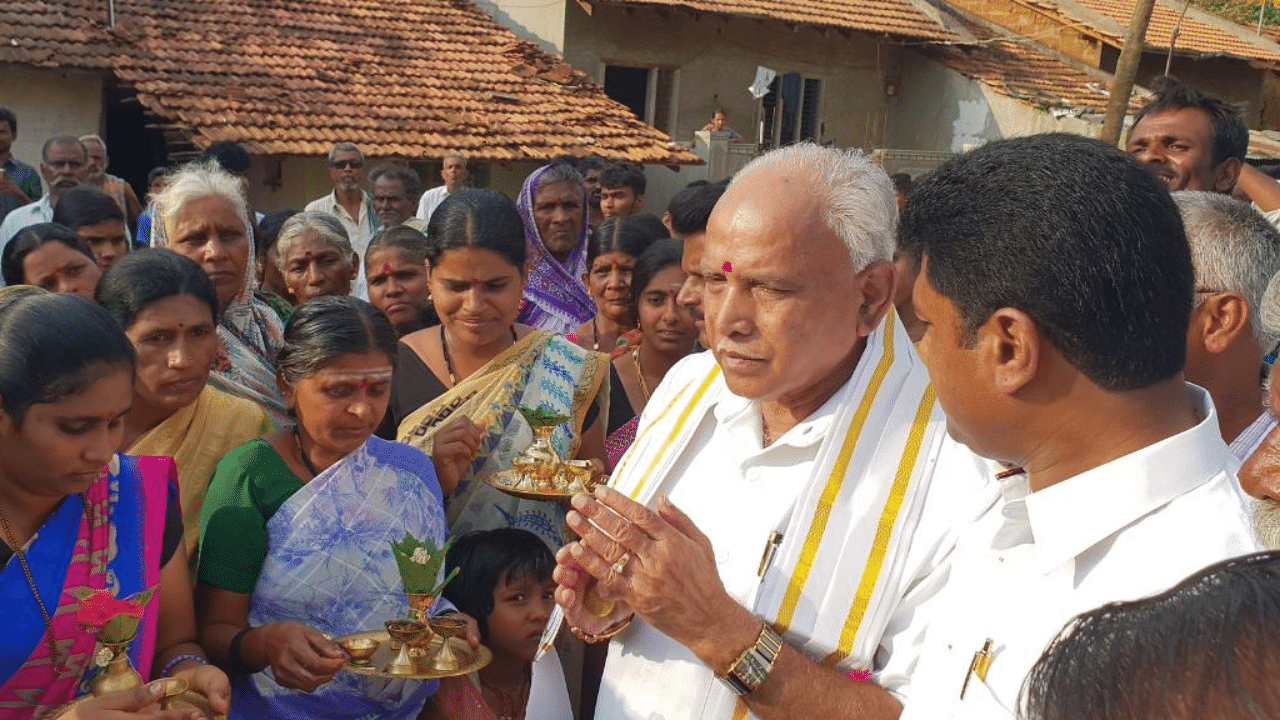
(541, 370)
(330, 567)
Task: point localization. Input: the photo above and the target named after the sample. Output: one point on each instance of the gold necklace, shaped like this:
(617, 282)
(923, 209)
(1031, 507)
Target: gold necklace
(644, 387)
(26, 570)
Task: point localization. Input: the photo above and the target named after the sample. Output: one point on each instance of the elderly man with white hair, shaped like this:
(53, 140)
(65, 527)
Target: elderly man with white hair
(766, 538)
(1235, 252)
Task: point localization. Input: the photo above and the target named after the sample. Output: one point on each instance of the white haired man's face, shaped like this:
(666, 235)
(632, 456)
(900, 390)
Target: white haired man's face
(782, 298)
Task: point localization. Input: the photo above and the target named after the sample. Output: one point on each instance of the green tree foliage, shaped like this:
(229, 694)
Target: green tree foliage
(1244, 12)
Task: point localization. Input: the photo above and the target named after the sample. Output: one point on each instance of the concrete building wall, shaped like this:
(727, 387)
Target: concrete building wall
(716, 60)
(941, 110)
(541, 23)
(67, 103)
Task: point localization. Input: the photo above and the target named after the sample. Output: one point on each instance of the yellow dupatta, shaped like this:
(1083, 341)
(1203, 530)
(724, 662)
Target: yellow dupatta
(197, 437)
(542, 369)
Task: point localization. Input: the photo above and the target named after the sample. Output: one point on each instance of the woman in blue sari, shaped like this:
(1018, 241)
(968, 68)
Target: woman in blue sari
(297, 527)
(79, 519)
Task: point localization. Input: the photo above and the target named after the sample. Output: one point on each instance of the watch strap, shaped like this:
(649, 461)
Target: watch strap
(755, 663)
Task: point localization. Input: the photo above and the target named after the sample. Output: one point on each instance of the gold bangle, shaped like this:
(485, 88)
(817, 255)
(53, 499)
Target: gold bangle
(609, 632)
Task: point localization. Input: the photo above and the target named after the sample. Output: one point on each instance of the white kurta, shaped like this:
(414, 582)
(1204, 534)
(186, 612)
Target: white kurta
(1125, 530)
(738, 493)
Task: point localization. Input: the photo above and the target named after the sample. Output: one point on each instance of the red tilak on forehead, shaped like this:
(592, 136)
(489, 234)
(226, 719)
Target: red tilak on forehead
(364, 385)
(614, 262)
(727, 267)
(386, 269)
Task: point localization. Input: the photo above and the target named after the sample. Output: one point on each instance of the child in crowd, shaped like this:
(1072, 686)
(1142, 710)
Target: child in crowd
(505, 584)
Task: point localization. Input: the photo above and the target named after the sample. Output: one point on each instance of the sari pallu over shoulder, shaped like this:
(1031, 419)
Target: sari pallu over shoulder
(115, 543)
(330, 566)
(541, 370)
(555, 296)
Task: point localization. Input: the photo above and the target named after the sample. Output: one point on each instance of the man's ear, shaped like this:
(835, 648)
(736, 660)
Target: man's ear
(1220, 319)
(1011, 346)
(1226, 175)
(639, 204)
(876, 296)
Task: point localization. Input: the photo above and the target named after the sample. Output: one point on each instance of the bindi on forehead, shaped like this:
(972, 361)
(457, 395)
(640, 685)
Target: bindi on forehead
(727, 267)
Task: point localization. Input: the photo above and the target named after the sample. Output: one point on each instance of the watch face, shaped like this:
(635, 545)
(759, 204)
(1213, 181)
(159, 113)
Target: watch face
(754, 666)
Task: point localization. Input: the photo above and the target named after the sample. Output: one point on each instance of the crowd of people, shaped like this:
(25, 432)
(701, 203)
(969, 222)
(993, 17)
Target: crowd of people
(994, 442)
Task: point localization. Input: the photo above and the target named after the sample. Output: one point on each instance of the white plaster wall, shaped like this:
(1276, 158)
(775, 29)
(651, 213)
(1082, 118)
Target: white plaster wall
(941, 110)
(717, 59)
(49, 103)
(538, 21)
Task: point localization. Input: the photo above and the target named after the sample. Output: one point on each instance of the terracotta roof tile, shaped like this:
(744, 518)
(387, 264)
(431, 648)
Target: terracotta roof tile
(1026, 72)
(901, 18)
(419, 78)
(1201, 32)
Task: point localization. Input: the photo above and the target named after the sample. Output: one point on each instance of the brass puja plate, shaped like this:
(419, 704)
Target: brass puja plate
(472, 660)
(545, 481)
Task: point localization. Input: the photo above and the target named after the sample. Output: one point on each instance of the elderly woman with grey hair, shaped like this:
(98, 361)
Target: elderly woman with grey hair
(315, 256)
(203, 214)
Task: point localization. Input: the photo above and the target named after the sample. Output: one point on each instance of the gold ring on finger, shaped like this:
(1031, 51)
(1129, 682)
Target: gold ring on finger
(621, 565)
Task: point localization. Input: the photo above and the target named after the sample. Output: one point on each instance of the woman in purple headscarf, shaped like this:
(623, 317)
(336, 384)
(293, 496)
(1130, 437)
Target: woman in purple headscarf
(553, 203)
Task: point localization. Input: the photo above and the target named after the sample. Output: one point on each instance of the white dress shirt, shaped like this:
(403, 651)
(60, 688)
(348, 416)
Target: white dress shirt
(1125, 530)
(431, 200)
(737, 493)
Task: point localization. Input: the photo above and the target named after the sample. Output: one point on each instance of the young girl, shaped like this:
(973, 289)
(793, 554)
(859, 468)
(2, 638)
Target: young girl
(505, 584)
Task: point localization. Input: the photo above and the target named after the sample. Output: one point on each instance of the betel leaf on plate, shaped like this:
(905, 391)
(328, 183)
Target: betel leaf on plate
(542, 417)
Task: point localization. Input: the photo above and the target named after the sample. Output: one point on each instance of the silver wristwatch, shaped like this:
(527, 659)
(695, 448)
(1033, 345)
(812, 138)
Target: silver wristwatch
(753, 666)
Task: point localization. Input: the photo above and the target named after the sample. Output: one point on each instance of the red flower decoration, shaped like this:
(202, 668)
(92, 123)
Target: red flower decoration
(101, 607)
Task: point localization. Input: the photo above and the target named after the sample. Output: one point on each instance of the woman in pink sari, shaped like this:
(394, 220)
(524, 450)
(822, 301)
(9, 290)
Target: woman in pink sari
(76, 517)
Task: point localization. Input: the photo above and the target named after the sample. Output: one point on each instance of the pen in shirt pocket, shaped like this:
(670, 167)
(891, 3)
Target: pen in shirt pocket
(979, 666)
(770, 547)
(772, 544)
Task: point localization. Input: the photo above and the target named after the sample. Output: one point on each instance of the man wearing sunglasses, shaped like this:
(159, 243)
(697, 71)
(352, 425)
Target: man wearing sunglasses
(348, 202)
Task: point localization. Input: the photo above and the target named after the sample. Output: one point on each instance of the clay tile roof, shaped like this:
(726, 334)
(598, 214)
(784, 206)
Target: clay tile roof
(1201, 32)
(1027, 72)
(420, 78)
(900, 18)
